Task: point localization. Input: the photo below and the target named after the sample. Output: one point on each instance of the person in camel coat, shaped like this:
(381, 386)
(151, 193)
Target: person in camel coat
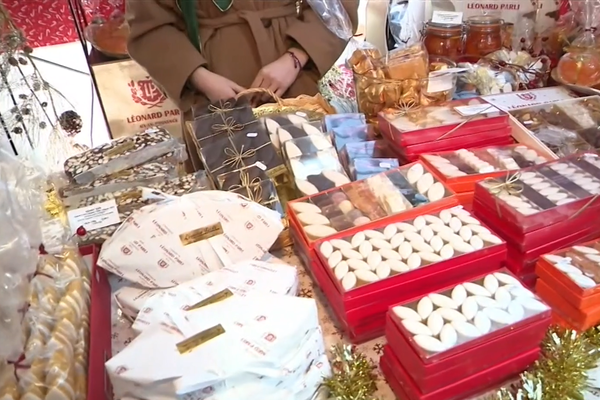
(280, 45)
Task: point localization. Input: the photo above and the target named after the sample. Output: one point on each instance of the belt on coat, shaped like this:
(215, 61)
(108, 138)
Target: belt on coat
(258, 21)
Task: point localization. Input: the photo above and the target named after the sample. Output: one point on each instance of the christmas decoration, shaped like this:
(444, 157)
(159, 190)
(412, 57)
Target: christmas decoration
(353, 375)
(70, 122)
(561, 373)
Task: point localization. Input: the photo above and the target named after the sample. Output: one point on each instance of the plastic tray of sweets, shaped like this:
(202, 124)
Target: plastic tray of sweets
(462, 169)
(577, 268)
(537, 238)
(409, 189)
(454, 321)
(459, 368)
(410, 125)
(544, 195)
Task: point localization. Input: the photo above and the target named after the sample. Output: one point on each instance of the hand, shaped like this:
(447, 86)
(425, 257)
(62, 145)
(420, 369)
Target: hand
(213, 86)
(280, 74)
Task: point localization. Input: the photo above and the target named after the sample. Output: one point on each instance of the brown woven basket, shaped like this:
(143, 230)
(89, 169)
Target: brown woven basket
(314, 106)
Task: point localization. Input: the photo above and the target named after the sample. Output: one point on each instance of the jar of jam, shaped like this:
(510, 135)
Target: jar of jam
(444, 40)
(484, 36)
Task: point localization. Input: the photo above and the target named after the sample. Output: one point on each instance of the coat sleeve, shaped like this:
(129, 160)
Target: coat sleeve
(322, 46)
(158, 42)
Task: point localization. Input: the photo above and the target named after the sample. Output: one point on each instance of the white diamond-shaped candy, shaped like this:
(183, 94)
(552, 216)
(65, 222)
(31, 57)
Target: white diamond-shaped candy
(435, 322)
(416, 328)
(459, 294)
(448, 336)
(406, 313)
(490, 283)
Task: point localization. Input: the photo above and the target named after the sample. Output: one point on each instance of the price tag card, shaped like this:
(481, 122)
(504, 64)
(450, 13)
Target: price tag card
(447, 17)
(96, 216)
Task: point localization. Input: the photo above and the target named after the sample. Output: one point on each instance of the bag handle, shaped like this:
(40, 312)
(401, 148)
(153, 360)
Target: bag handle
(188, 10)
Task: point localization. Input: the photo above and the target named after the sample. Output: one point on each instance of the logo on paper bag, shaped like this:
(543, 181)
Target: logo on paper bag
(126, 250)
(147, 310)
(269, 337)
(162, 264)
(527, 96)
(145, 92)
(121, 370)
(249, 226)
(261, 318)
(250, 282)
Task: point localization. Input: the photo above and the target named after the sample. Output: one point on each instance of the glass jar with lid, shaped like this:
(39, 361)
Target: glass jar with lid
(444, 40)
(483, 36)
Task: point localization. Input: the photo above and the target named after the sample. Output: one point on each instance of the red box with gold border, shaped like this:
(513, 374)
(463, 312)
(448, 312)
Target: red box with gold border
(580, 319)
(365, 306)
(451, 168)
(100, 341)
(409, 126)
(574, 199)
(511, 337)
(352, 199)
(562, 269)
(480, 381)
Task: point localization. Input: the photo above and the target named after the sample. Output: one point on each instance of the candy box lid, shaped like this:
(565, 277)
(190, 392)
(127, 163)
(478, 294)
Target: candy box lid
(363, 168)
(363, 259)
(404, 387)
(546, 194)
(496, 137)
(581, 320)
(334, 121)
(577, 267)
(474, 164)
(415, 124)
(429, 377)
(350, 134)
(362, 202)
(442, 324)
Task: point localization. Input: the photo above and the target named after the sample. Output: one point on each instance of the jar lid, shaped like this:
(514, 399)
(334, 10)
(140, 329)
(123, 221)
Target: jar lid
(484, 20)
(441, 25)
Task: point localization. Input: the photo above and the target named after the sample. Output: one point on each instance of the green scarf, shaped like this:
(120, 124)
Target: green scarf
(188, 9)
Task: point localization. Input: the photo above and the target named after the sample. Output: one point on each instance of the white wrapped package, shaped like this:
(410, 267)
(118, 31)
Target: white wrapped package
(233, 341)
(180, 239)
(243, 277)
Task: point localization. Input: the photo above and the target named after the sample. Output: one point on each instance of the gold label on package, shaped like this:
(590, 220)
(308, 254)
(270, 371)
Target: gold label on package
(121, 174)
(215, 298)
(120, 148)
(199, 339)
(275, 172)
(131, 195)
(201, 234)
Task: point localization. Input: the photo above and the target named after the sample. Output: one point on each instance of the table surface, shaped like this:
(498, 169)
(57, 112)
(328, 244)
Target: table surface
(122, 334)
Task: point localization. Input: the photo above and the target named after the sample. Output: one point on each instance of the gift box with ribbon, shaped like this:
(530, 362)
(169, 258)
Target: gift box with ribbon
(241, 146)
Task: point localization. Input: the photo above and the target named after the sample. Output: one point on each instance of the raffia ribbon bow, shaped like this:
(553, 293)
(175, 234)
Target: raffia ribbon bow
(225, 108)
(245, 181)
(509, 185)
(229, 126)
(236, 158)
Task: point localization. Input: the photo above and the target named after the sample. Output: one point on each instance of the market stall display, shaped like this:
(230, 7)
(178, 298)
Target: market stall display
(421, 218)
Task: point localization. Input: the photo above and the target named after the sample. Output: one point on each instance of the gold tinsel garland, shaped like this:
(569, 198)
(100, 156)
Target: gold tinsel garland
(354, 376)
(561, 373)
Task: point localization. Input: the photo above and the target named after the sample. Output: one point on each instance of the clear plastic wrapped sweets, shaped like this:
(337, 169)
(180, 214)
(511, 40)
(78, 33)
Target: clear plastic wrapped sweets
(20, 237)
